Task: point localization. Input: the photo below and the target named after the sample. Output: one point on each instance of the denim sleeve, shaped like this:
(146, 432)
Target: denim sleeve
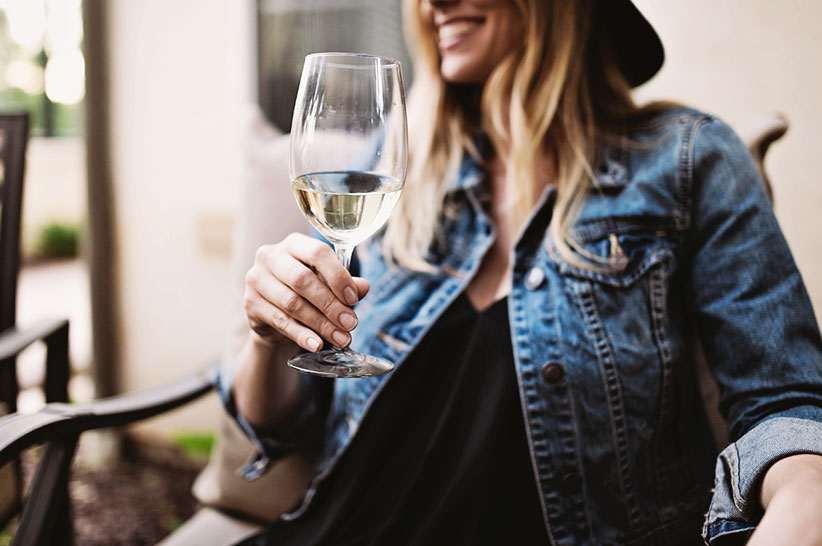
(303, 430)
(756, 325)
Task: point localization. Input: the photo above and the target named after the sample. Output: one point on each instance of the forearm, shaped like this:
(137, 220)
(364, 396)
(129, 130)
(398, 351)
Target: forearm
(265, 389)
(791, 474)
(791, 495)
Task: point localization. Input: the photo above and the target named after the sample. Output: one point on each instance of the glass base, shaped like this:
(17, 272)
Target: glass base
(340, 363)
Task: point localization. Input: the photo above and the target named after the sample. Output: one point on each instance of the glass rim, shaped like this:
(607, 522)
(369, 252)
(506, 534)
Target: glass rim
(388, 61)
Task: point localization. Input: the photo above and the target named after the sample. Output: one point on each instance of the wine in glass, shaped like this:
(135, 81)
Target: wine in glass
(349, 152)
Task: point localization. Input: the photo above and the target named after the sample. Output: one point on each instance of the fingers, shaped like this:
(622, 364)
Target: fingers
(362, 286)
(298, 289)
(291, 312)
(322, 258)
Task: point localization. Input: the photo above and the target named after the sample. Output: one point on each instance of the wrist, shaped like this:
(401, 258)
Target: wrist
(792, 479)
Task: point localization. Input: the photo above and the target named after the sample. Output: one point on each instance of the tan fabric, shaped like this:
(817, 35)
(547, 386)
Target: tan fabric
(267, 214)
(262, 500)
(210, 528)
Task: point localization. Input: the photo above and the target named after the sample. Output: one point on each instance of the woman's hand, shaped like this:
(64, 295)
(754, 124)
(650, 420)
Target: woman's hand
(792, 497)
(298, 290)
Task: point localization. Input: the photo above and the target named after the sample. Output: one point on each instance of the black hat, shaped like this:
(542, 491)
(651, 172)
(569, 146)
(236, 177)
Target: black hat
(636, 45)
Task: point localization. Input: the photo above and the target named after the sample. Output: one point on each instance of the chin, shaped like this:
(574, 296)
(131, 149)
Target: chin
(462, 74)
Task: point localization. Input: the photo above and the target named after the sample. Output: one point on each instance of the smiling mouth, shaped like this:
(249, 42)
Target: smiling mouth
(453, 32)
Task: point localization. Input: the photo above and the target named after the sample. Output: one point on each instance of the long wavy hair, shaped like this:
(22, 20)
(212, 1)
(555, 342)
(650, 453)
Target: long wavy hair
(557, 94)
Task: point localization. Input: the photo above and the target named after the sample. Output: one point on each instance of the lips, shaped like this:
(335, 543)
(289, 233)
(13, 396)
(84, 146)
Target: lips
(452, 32)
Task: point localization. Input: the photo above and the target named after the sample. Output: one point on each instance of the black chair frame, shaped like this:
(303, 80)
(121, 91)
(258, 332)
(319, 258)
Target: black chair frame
(46, 517)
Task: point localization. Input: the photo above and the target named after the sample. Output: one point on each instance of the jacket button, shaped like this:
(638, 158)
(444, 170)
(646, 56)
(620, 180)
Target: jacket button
(553, 372)
(534, 278)
(571, 483)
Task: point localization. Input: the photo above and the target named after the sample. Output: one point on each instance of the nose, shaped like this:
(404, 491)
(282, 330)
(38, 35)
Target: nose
(441, 3)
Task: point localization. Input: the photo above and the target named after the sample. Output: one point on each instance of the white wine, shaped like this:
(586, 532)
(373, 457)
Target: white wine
(346, 207)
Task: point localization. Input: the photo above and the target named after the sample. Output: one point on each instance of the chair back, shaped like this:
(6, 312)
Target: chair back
(14, 130)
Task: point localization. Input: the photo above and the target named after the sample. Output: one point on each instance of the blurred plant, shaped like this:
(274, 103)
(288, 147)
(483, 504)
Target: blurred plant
(59, 240)
(195, 446)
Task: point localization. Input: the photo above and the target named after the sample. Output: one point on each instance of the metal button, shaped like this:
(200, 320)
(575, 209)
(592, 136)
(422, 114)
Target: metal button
(534, 278)
(571, 483)
(552, 372)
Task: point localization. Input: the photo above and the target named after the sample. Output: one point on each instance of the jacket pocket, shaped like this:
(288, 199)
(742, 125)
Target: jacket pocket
(632, 340)
(627, 254)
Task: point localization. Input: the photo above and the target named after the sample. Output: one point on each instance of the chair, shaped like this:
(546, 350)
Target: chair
(232, 509)
(54, 333)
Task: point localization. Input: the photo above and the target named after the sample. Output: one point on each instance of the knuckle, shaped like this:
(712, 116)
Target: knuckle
(327, 306)
(301, 278)
(319, 251)
(279, 321)
(252, 276)
(328, 329)
(341, 278)
(262, 253)
(248, 302)
(292, 238)
(292, 303)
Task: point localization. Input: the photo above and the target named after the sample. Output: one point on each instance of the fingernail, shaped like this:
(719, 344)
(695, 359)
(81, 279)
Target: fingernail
(340, 338)
(350, 296)
(348, 320)
(313, 344)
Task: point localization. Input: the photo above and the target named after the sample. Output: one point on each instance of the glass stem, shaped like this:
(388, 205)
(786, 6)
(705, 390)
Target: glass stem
(344, 253)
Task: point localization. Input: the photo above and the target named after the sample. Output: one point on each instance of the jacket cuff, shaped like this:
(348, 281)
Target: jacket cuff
(735, 508)
(298, 433)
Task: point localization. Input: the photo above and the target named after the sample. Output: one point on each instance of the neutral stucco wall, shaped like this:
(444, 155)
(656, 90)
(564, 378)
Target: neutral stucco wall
(182, 74)
(740, 59)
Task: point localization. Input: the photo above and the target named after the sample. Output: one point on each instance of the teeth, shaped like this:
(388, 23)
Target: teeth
(452, 30)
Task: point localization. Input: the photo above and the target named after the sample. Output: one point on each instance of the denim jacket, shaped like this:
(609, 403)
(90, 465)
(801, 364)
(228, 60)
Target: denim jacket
(620, 444)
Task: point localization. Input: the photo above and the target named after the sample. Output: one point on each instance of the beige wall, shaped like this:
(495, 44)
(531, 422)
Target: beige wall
(55, 187)
(182, 75)
(740, 59)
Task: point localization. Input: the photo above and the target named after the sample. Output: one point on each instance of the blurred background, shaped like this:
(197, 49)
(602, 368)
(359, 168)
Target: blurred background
(140, 114)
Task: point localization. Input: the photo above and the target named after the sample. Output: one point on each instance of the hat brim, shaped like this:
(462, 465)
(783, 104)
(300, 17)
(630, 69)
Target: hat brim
(636, 45)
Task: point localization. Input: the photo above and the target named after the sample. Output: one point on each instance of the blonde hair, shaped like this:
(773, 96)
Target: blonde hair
(557, 94)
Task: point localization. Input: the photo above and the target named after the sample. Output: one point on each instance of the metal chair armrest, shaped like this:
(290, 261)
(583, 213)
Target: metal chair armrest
(14, 340)
(59, 420)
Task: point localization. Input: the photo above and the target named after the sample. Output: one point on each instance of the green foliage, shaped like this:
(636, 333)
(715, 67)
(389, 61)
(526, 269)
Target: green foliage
(59, 240)
(7, 533)
(196, 446)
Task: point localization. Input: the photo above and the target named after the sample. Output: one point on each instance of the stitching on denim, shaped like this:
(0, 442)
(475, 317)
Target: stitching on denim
(579, 462)
(686, 170)
(396, 344)
(655, 256)
(521, 359)
(453, 272)
(583, 292)
(658, 313)
(734, 464)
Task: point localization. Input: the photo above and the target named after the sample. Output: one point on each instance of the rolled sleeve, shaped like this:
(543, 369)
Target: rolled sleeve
(757, 328)
(303, 429)
(735, 510)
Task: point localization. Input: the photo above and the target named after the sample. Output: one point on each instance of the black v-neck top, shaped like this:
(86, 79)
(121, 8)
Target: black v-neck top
(440, 458)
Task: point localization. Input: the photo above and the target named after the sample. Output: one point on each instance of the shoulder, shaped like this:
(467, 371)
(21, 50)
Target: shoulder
(661, 157)
(659, 120)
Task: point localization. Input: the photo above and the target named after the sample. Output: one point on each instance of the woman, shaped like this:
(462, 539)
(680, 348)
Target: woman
(557, 254)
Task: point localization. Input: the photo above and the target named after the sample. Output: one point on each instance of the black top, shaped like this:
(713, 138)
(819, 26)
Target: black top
(440, 458)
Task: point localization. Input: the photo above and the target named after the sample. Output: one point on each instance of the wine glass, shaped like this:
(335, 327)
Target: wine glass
(349, 152)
